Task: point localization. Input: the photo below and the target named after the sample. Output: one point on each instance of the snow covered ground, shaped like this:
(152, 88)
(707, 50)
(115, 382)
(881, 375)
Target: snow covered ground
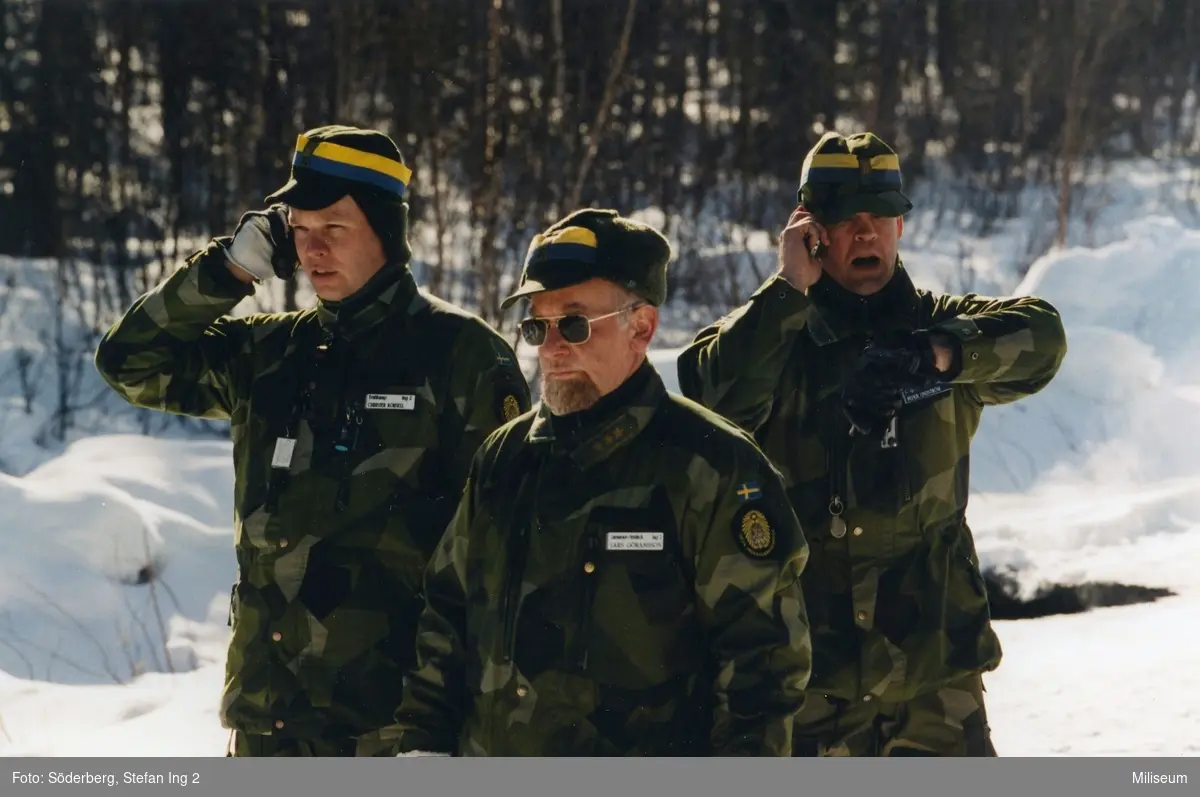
(1113, 681)
(1094, 479)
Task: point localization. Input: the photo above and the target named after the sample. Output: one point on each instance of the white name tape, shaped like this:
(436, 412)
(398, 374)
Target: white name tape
(390, 401)
(634, 541)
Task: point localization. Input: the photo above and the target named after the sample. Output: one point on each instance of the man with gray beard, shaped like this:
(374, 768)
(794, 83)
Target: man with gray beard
(622, 574)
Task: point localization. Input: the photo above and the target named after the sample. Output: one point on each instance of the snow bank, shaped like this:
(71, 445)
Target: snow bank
(81, 536)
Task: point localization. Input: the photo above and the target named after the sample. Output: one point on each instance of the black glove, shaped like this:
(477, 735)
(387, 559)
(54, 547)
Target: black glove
(262, 244)
(874, 391)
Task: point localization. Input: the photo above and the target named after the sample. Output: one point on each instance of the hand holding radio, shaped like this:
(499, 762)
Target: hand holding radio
(801, 246)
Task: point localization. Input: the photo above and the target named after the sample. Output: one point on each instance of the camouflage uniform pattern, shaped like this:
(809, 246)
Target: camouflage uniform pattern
(257, 745)
(330, 548)
(893, 588)
(543, 637)
(949, 721)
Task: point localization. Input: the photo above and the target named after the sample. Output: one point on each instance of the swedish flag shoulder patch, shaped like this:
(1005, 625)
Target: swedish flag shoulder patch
(749, 491)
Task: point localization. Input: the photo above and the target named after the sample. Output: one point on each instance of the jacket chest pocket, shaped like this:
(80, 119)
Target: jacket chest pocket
(399, 425)
(928, 437)
(639, 624)
(638, 576)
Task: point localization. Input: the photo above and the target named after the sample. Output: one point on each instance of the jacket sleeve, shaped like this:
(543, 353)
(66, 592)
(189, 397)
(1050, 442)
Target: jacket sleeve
(749, 558)
(732, 366)
(487, 390)
(1006, 348)
(429, 718)
(174, 350)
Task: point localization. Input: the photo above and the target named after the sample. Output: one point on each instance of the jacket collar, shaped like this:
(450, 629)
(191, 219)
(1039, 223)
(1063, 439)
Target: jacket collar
(592, 435)
(393, 288)
(843, 314)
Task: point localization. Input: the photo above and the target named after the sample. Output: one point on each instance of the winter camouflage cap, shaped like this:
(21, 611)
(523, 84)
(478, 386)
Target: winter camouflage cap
(842, 176)
(596, 243)
(335, 160)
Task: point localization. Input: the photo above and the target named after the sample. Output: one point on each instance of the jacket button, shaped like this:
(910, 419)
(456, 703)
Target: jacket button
(866, 698)
(279, 723)
(277, 636)
(862, 615)
(283, 543)
(858, 531)
(522, 690)
(589, 567)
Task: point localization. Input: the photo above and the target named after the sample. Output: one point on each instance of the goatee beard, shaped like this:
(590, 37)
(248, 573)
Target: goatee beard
(564, 396)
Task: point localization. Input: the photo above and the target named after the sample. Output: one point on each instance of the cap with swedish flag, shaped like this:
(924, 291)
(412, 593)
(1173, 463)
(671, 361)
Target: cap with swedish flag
(595, 243)
(335, 160)
(844, 175)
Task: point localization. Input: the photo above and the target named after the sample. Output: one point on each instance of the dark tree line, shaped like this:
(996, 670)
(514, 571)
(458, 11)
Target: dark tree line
(131, 129)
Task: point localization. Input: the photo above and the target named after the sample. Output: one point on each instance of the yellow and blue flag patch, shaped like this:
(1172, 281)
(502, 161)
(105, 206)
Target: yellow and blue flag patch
(750, 491)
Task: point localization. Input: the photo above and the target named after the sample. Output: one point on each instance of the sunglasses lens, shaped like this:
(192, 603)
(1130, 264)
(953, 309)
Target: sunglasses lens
(575, 328)
(533, 331)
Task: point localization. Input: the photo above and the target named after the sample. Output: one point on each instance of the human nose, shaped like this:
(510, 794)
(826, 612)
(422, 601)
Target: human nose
(864, 230)
(315, 245)
(554, 338)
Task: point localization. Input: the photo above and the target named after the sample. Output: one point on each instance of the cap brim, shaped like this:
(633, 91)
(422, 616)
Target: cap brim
(309, 194)
(551, 275)
(528, 289)
(885, 204)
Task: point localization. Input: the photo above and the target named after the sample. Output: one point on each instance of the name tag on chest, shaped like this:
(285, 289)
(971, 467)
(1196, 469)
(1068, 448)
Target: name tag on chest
(391, 401)
(634, 541)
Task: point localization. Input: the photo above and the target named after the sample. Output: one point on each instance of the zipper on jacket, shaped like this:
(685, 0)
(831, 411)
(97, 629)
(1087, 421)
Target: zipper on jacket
(836, 463)
(900, 466)
(588, 598)
(517, 554)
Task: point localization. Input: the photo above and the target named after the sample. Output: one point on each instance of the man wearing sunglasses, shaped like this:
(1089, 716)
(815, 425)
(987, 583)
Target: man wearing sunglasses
(621, 577)
(866, 392)
(353, 426)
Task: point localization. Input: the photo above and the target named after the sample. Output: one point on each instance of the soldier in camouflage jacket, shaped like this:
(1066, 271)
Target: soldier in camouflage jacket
(353, 428)
(622, 576)
(866, 393)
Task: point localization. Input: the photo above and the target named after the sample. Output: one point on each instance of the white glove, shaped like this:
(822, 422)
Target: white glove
(261, 245)
(422, 754)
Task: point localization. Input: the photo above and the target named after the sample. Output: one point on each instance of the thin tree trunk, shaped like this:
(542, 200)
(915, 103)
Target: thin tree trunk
(492, 168)
(592, 142)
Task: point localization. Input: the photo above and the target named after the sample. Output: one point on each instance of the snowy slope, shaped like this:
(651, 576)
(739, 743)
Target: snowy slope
(74, 536)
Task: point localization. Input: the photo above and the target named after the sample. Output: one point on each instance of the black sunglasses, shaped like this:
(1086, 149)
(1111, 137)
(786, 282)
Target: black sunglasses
(574, 328)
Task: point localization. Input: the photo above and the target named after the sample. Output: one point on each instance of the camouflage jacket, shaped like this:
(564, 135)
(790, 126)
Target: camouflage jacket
(894, 591)
(386, 397)
(622, 581)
